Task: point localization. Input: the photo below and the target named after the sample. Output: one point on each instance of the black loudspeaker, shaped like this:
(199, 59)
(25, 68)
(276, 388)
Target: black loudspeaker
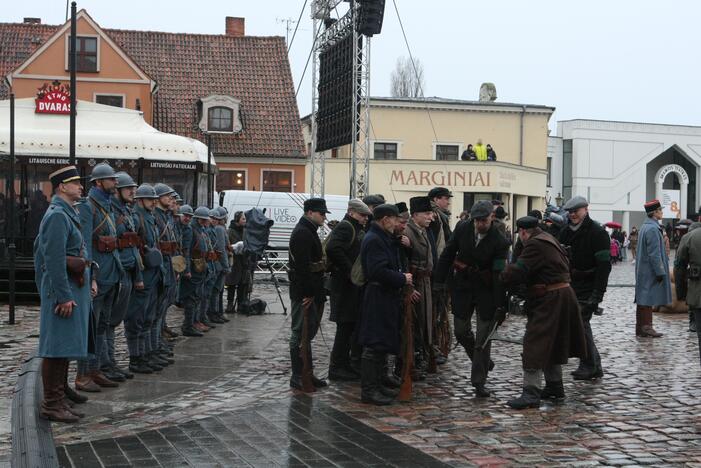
(370, 16)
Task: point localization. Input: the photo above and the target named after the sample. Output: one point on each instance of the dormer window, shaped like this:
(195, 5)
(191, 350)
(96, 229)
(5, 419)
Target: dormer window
(88, 56)
(220, 114)
(221, 119)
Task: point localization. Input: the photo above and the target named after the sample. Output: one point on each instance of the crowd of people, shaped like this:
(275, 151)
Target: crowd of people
(123, 255)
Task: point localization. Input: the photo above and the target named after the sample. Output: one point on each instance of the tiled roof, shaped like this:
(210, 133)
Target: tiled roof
(188, 67)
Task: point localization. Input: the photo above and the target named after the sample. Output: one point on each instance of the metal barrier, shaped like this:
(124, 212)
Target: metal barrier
(279, 261)
(32, 440)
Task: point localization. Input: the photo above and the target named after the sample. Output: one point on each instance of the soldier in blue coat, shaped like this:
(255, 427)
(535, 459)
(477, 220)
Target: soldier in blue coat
(652, 284)
(168, 246)
(142, 304)
(379, 322)
(221, 238)
(100, 232)
(195, 246)
(65, 294)
(213, 270)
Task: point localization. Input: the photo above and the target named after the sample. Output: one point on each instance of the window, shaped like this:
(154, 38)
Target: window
(447, 152)
(86, 59)
(231, 180)
(567, 169)
(385, 151)
(221, 119)
(110, 100)
(277, 181)
(549, 175)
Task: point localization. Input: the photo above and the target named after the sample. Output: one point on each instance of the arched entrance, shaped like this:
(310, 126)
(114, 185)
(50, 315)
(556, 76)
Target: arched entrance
(683, 182)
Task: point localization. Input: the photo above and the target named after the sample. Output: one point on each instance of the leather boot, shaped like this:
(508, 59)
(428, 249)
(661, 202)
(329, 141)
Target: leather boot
(191, 331)
(554, 390)
(638, 321)
(316, 381)
(124, 372)
(341, 373)
(692, 322)
(100, 379)
(112, 374)
(389, 379)
(530, 398)
(371, 370)
(646, 329)
(150, 362)
(297, 365)
(52, 377)
(71, 394)
(138, 366)
(84, 383)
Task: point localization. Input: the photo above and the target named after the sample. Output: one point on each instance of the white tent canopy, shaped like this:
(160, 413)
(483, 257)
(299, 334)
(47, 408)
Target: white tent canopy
(102, 132)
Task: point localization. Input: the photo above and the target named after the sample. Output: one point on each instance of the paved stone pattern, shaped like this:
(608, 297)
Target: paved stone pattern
(297, 432)
(644, 411)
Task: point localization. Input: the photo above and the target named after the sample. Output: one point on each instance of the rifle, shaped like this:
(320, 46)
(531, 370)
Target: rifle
(305, 345)
(432, 366)
(405, 390)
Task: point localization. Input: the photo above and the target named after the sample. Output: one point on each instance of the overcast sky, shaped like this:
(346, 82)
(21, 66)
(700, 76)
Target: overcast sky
(632, 60)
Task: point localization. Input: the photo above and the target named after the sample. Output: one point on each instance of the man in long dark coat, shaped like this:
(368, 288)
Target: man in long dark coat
(379, 324)
(342, 250)
(554, 331)
(477, 253)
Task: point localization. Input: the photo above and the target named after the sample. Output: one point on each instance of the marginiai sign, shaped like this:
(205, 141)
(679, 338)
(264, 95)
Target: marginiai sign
(54, 98)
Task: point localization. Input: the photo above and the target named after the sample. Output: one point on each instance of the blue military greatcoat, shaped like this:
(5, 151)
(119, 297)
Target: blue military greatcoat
(196, 240)
(60, 235)
(164, 222)
(651, 262)
(129, 257)
(97, 219)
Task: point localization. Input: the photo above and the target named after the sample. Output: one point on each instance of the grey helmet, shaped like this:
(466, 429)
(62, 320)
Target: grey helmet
(178, 199)
(223, 212)
(163, 189)
(202, 212)
(102, 171)
(124, 180)
(185, 210)
(145, 191)
(214, 213)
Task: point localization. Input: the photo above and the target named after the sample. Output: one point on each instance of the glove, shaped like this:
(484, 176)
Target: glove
(659, 278)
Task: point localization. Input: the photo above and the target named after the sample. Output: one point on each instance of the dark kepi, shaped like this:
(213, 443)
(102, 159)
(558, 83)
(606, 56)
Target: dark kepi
(64, 175)
(316, 204)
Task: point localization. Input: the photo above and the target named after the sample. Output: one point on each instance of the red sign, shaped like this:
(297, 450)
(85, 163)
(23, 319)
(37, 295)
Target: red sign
(54, 98)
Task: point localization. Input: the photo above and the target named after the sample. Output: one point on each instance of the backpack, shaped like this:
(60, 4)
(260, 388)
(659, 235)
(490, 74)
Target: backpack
(324, 257)
(357, 276)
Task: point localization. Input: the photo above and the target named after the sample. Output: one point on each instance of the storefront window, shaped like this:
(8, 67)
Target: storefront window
(277, 181)
(231, 180)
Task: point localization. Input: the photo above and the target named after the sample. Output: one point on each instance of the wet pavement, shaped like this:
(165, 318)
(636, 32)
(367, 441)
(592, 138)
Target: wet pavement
(228, 392)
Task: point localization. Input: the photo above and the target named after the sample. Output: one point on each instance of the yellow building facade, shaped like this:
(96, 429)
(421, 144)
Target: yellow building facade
(418, 144)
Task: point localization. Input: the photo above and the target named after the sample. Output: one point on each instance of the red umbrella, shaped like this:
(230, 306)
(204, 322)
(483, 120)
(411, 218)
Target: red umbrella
(613, 225)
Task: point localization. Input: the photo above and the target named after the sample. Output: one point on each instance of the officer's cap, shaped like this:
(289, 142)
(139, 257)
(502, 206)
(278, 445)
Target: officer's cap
(576, 203)
(481, 209)
(145, 191)
(124, 180)
(316, 204)
(527, 222)
(163, 189)
(420, 204)
(374, 200)
(202, 212)
(185, 210)
(439, 192)
(384, 210)
(357, 205)
(64, 175)
(102, 171)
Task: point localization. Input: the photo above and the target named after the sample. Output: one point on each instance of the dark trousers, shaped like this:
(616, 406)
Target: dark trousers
(342, 344)
(697, 317)
(463, 310)
(102, 311)
(593, 360)
(316, 310)
(119, 313)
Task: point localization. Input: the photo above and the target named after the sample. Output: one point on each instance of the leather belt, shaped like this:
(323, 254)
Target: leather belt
(538, 290)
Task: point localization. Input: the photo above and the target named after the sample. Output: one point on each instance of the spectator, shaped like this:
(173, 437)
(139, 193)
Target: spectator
(633, 241)
(480, 151)
(491, 154)
(469, 154)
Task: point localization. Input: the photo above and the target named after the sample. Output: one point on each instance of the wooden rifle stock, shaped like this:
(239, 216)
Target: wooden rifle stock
(405, 390)
(304, 347)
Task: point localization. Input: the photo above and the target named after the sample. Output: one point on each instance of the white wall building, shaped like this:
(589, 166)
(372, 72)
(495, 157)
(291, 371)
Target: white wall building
(618, 166)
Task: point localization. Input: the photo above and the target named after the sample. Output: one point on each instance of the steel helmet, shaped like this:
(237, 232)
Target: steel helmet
(102, 171)
(202, 212)
(185, 210)
(221, 212)
(163, 189)
(178, 198)
(145, 191)
(124, 180)
(214, 213)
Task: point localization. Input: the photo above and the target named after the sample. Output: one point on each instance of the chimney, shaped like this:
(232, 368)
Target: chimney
(32, 20)
(235, 27)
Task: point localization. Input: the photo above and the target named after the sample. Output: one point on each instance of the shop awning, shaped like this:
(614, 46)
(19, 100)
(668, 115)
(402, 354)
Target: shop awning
(102, 132)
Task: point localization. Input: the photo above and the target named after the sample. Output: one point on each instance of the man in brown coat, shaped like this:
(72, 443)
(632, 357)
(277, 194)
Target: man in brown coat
(420, 266)
(554, 331)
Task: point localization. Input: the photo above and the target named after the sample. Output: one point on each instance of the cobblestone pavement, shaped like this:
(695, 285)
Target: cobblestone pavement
(644, 410)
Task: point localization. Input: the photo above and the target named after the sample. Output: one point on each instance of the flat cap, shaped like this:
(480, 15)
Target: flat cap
(439, 192)
(373, 200)
(384, 210)
(652, 205)
(481, 209)
(535, 214)
(575, 203)
(527, 222)
(420, 204)
(316, 204)
(500, 212)
(357, 205)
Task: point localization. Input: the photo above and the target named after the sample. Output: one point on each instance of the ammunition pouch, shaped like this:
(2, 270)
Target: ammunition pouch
(199, 265)
(128, 240)
(178, 262)
(106, 244)
(75, 266)
(168, 247)
(152, 257)
(211, 256)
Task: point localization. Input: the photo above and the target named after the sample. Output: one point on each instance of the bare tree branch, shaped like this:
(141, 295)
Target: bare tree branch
(407, 81)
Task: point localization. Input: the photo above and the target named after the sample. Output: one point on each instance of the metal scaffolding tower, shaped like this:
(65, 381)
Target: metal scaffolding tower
(360, 145)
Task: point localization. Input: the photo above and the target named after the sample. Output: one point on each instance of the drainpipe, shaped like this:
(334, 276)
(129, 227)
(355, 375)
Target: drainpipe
(520, 151)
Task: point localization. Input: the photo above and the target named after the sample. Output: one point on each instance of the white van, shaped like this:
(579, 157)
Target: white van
(285, 209)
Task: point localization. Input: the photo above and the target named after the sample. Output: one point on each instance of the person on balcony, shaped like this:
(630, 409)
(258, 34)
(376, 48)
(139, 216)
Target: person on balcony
(480, 151)
(469, 154)
(491, 154)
